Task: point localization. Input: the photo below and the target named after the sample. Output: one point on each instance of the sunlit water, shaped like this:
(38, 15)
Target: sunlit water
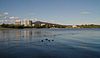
(50, 43)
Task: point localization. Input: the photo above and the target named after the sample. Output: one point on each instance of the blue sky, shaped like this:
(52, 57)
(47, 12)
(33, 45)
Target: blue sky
(58, 11)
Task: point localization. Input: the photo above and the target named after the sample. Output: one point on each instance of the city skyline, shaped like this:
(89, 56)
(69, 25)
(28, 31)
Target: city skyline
(54, 11)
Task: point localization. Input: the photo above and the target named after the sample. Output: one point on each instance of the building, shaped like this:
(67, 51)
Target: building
(27, 23)
(74, 26)
(23, 22)
(17, 22)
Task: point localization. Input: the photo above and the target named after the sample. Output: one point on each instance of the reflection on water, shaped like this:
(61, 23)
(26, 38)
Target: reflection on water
(50, 43)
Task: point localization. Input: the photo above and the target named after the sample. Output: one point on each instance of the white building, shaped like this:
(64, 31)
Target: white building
(27, 22)
(17, 22)
(74, 26)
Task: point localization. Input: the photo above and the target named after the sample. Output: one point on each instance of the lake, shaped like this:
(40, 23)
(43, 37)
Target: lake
(50, 43)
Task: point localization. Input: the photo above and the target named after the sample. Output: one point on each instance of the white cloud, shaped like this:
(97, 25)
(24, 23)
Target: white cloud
(5, 13)
(12, 17)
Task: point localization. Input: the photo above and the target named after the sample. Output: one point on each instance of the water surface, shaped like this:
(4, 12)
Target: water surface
(50, 43)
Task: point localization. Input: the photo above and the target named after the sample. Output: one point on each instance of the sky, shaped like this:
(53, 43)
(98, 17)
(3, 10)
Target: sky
(55, 11)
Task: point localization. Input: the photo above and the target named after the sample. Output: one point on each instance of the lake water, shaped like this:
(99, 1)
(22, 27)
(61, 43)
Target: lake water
(50, 43)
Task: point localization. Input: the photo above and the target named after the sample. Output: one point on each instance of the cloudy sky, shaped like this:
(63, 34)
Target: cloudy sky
(58, 11)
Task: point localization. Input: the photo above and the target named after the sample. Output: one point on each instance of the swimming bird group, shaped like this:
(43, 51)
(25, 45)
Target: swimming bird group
(46, 40)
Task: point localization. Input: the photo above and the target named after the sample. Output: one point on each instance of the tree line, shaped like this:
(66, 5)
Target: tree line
(48, 26)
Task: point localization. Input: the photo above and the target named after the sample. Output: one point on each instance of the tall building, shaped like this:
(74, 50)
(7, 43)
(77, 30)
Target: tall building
(17, 22)
(27, 23)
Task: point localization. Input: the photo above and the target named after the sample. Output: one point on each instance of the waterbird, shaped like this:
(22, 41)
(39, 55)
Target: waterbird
(49, 40)
(52, 40)
(41, 40)
(46, 39)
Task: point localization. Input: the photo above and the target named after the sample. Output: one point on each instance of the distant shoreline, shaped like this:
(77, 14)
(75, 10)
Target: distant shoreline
(44, 28)
(40, 26)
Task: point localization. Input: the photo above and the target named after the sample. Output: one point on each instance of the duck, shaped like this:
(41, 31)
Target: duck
(41, 40)
(52, 40)
(46, 39)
